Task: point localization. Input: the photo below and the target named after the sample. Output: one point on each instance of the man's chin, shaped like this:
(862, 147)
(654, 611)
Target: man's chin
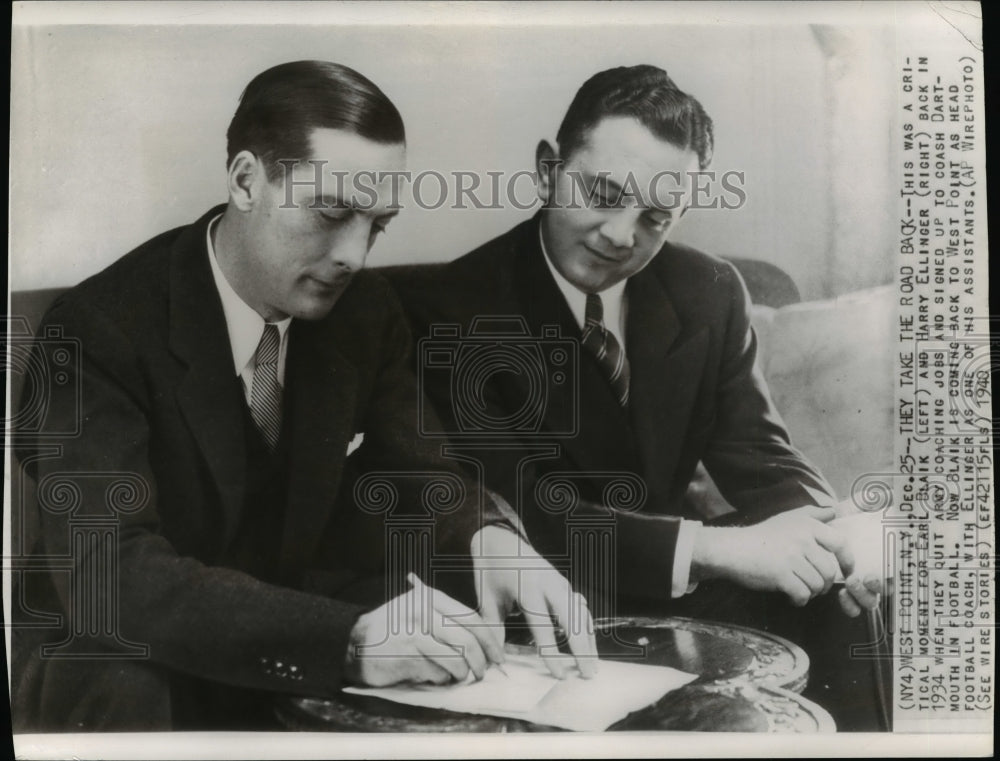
(318, 303)
(595, 279)
(316, 308)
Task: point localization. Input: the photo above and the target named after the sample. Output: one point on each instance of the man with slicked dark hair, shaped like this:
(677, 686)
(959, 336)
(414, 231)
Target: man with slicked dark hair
(667, 375)
(244, 374)
(647, 94)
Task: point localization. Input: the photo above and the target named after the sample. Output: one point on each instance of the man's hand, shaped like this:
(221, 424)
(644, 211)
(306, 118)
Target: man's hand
(421, 636)
(860, 594)
(794, 552)
(509, 571)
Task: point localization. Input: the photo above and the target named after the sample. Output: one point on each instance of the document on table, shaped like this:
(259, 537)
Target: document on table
(530, 693)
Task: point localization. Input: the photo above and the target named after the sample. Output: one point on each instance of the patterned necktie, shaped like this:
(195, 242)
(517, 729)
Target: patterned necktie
(265, 393)
(605, 347)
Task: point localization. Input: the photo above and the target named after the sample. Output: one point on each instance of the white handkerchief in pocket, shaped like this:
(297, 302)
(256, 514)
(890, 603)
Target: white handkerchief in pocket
(355, 443)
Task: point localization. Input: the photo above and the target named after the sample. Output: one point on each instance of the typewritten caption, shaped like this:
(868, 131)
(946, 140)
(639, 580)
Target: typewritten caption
(939, 527)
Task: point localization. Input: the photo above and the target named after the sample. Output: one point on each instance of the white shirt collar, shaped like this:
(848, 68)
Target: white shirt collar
(613, 299)
(245, 326)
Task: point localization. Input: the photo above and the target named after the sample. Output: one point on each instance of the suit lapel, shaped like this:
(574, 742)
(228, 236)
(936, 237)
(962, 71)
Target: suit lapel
(208, 394)
(320, 406)
(603, 437)
(666, 374)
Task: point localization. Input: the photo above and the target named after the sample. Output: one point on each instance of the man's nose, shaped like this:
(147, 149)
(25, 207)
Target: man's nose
(619, 229)
(350, 249)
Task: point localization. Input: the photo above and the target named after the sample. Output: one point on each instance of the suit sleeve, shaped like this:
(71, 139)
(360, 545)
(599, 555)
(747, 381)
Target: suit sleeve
(213, 622)
(749, 455)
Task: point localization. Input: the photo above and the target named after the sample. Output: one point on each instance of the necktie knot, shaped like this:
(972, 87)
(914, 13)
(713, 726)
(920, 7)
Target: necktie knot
(603, 345)
(267, 349)
(594, 311)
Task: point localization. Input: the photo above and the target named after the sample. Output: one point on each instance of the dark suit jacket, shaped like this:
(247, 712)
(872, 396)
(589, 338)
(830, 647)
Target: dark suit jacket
(696, 395)
(159, 399)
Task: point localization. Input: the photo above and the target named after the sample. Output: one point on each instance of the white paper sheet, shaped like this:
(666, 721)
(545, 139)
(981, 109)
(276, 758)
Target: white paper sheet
(521, 690)
(530, 693)
(620, 687)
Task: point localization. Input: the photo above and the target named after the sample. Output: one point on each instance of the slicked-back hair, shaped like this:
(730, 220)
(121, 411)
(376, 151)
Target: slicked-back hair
(281, 107)
(646, 94)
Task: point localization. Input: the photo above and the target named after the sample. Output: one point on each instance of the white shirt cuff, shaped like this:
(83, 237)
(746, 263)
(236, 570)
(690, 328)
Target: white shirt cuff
(683, 553)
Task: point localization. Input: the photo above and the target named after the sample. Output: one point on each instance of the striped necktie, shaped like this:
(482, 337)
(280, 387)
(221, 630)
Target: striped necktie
(605, 347)
(265, 393)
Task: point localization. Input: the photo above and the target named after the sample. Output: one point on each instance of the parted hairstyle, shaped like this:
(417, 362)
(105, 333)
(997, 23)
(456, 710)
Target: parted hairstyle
(646, 94)
(281, 107)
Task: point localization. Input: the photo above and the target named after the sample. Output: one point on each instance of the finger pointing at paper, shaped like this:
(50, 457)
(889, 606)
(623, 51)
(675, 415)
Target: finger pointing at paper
(509, 571)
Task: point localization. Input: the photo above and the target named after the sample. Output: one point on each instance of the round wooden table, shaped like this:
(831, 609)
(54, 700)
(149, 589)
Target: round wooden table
(748, 681)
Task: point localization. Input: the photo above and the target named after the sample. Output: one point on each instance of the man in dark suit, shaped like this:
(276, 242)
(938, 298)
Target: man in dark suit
(666, 378)
(228, 372)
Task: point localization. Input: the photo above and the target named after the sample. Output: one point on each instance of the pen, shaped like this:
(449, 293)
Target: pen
(421, 588)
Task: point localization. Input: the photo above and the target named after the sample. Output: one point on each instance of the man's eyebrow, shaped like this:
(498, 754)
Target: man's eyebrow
(334, 202)
(613, 186)
(593, 179)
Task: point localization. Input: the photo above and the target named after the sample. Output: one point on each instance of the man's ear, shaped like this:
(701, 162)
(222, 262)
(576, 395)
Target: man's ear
(245, 175)
(546, 160)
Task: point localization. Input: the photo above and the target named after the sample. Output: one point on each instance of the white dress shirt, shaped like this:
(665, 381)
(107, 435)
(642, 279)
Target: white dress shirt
(245, 326)
(615, 312)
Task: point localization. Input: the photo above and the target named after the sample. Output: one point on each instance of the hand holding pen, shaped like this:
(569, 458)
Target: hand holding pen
(421, 636)
(455, 614)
